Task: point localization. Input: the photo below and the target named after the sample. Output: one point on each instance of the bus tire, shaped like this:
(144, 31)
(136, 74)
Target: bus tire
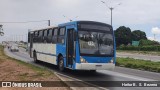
(61, 64)
(35, 57)
(93, 71)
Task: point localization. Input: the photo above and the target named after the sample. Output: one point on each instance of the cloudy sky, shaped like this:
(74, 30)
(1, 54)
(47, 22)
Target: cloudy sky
(137, 14)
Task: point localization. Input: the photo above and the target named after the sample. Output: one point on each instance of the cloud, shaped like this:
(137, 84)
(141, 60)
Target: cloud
(154, 39)
(137, 14)
(151, 38)
(155, 30)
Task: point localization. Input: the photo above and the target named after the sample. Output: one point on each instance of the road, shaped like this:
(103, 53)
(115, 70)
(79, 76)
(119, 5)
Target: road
(139, 56)
(119, 74)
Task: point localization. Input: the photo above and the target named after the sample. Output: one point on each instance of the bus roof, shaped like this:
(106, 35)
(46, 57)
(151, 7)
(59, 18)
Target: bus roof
(73, 23)
(80, 22)
(43, 28)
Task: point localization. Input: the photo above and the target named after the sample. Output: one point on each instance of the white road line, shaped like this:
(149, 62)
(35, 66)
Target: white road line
(112, 73)
(75, 79)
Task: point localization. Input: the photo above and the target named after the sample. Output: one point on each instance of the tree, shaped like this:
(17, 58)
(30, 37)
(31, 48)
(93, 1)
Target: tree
(138, 35)
(123, 35)
(1, 30)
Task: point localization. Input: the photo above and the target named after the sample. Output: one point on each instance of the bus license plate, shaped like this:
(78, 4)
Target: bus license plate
(98, 66)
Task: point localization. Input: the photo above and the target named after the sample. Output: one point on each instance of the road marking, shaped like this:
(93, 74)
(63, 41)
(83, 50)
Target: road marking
(112, 73)
(75, 79)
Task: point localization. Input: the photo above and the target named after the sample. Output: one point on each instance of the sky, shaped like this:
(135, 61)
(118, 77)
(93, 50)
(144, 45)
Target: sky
(141, 15)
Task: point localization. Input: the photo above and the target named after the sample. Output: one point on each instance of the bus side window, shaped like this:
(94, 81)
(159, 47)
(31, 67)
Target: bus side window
(49, 37)
(35, 37)
(40, 37)
(29, 37)
(45, 36)
(54, 38)
(61, 35)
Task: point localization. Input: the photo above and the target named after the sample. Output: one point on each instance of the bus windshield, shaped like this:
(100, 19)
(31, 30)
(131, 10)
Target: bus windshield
(96, 43)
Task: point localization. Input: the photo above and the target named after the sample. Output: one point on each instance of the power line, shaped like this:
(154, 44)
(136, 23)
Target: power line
(25, 21)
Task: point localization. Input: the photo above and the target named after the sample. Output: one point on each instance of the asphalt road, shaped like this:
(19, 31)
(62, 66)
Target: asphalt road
(119, 74)
(139, 56)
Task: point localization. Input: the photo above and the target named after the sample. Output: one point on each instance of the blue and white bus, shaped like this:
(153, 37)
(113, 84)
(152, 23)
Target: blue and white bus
(77, 45)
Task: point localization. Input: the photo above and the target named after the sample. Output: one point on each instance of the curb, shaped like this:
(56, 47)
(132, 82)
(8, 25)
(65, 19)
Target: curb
(62, 77)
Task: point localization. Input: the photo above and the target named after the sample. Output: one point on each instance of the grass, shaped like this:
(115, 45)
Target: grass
(17, 70)
(1, 55)
(138, 64)
(141, 52)
(39, 70)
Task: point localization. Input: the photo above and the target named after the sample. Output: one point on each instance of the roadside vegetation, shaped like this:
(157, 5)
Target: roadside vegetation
(138, 64)
(134, 40)
(24, 70)
(15, 70)
(155, 53)
(139, 48)
(144, 45)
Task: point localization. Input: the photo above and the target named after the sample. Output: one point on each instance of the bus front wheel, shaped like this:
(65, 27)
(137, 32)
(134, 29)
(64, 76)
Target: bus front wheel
(61, 63)
(93, 71)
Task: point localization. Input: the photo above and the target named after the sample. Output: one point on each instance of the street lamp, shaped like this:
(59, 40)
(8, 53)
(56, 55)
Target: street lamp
(111, 8)
(69, 18)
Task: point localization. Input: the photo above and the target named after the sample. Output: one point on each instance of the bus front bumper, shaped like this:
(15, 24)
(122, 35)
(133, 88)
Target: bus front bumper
(95, 66)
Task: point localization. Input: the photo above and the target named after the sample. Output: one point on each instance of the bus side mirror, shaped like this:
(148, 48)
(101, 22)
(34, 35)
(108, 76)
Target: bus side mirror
(75, 35)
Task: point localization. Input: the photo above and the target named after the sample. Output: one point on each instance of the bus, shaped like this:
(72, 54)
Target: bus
(76, 45)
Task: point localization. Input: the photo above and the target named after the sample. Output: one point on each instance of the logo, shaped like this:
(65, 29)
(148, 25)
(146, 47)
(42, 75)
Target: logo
(91, 43)
(6, 84)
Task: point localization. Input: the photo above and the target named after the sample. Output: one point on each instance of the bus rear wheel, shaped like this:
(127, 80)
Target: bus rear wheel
(61, 64)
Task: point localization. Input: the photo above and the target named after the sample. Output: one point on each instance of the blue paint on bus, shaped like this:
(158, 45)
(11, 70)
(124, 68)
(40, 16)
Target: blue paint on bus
(85, 58)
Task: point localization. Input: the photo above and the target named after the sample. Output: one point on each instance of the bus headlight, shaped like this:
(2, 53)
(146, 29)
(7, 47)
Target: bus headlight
(112, 60)
(83, 60)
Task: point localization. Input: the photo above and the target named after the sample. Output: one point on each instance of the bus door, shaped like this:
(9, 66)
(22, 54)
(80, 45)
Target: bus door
(70, 47)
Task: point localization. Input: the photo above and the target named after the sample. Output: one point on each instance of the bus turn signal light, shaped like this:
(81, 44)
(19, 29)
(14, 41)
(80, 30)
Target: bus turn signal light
(83, 60)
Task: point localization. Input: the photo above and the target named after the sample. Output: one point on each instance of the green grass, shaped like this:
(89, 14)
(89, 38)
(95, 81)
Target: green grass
(41, 71)
(141, 52)
(1, 54)
(138, 64)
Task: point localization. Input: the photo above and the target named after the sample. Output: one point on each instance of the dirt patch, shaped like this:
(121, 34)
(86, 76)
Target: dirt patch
(12, 70)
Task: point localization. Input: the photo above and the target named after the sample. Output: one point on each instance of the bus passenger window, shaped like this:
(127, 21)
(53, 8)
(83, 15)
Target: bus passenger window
(50, 33)
(29, 37)
(40, 37)
(61, 35)
(54, 38)
(35, 37)
(45, 36)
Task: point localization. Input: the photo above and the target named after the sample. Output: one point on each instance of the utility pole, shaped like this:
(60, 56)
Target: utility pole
(69, 18)
(154, 37)
(111, 8)
(111, 14)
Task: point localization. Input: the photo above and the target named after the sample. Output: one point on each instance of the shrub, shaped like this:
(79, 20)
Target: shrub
(139, 64)
(140, 48)
(144, 42)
